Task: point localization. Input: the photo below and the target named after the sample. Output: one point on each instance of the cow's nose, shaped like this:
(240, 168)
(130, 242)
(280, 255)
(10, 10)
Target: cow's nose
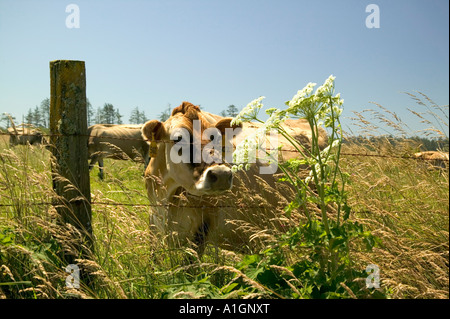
(211, 177)
(220, 178)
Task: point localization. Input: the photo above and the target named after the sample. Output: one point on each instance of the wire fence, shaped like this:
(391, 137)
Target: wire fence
(267, 149)
(169, 205)
(83, 135)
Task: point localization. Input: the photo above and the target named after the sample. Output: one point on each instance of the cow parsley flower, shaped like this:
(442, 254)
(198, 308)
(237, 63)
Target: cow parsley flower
(304, 104)
(326, 151)
(297, 100)
(247, 150)
(276, 117)
(245, 153)
(320, 105)
(337, 99)
(337, 110)
(249, 112)
(327, 88)
(319, 108)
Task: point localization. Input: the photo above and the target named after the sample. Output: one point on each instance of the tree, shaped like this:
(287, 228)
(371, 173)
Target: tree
(5, 119)
(29, 117)
(108, 115)
(99, 115)
(143, 118)
(134, 117)
(118, 117)
(165, 114)
(37, 117)
(90, 113)
(45, 112)
(137, 117)
(231, 111)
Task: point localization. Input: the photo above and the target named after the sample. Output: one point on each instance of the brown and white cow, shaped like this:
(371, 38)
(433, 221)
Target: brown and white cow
(202, 200)
(117, 141)
(434, 158)
(24, 136)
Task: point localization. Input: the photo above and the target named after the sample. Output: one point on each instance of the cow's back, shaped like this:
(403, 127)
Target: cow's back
(116, 138)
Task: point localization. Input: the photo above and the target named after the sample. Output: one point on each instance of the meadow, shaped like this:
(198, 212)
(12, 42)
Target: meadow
(403, 202)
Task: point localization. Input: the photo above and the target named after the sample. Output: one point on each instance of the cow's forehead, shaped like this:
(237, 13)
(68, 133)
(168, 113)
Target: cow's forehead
(178, 121)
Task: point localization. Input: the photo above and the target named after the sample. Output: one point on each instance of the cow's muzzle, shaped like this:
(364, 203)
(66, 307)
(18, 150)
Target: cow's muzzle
(215, 179)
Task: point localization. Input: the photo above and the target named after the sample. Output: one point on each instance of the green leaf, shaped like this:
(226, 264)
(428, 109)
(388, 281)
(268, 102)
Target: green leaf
(248, 260)
(229, 288)
(346, 210)
(336, 242)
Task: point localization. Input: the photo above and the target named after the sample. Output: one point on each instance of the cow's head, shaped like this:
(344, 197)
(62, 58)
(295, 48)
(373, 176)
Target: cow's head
(188, 151)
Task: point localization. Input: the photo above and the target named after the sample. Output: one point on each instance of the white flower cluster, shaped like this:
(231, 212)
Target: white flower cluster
(327, 88)
(327, 159)
(301, 95)
(245, 153)
(249, 112)
(327, 150)
(276, 117)
(249, 149)
(320, 108)
(321, 105)
(246, 150)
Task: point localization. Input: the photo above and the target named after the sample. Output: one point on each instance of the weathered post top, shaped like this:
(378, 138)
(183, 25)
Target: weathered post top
(67, 91)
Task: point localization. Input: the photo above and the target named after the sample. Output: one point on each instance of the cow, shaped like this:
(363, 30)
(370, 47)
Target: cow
(117, 141)
(435, 158)
(201, 201)
(24, 136)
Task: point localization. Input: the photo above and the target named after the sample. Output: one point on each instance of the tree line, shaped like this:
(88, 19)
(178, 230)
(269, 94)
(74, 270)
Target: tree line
(416, 143)
(39, 116)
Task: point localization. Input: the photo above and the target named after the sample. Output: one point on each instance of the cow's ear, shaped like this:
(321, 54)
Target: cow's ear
(226, 123)
(151, 127)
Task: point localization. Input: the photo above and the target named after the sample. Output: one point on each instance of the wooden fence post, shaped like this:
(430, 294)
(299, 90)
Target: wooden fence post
(68, 130)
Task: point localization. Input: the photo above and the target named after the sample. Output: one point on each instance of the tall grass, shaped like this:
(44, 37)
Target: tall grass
(403, 202)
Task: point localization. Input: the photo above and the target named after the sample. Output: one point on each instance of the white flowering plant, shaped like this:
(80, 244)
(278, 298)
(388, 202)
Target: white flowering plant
(319, 108)
(327, 267)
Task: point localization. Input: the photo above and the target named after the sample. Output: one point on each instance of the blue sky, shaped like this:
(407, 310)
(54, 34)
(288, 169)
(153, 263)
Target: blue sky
(216, 53)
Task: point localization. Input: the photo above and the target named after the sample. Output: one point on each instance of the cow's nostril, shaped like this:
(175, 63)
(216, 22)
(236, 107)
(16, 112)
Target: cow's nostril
(212, 177)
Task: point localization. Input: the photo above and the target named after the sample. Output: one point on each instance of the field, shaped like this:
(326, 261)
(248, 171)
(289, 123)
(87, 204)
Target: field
(403, 202)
